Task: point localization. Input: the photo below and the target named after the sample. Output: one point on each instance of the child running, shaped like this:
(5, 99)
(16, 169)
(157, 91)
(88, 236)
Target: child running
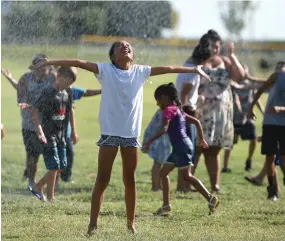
(182, 153)
(120, 118)
(55, 105)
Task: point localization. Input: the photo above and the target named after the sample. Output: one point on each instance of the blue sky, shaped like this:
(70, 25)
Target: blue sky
(196, 17)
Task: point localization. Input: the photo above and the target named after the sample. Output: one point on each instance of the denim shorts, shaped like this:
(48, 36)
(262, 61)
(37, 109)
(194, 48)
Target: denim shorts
(182, 154)
(118, 141)
(55, 157)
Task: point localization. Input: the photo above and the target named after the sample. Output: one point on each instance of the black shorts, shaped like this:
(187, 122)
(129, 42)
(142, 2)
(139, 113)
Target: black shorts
(273, 140)
(33, 145)
(246, 131)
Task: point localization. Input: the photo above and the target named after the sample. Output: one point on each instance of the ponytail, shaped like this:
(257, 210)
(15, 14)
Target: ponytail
(170, 91)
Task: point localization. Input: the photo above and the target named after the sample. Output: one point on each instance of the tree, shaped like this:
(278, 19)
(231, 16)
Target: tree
(138, 18)
(234, 15)
(64, 21)
(27, 21)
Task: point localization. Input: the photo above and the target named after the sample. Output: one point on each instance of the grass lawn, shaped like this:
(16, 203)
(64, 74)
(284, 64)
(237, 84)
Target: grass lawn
(244, 212)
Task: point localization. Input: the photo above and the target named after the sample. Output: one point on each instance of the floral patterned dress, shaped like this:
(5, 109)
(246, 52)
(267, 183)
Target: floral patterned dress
(217, 110)
(159, 149)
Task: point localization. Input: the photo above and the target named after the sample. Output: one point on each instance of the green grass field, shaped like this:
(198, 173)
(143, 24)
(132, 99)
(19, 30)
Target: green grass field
(244, 212)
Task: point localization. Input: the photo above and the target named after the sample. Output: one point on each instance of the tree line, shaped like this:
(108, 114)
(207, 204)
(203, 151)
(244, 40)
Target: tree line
(63, 21)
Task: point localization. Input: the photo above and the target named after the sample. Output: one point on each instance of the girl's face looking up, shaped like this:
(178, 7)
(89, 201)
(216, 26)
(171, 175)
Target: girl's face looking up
(123, 51)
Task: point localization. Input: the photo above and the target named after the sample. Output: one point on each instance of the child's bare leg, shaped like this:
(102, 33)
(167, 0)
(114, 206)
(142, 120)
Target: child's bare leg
(196, 183)
(155, 176)
(272, 188)
(197, 159)
(276, 179)
(164, 171)
(40, 184)
(31, 167)
(130, 162)
(106, 159)
(251, 149)
(51, 183)
(213, 201)
(227, 154)
(212, 161)
(182, 185)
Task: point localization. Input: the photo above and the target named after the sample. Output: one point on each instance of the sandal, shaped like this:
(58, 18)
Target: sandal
(162, 211)
(252, 181)
(39, 195)
(213, 204)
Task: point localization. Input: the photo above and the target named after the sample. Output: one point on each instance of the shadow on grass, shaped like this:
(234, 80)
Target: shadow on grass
(10, 237)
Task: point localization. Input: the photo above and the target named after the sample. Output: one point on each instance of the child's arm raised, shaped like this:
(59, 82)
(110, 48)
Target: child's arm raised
(198, 125)
(9, 77)
(83, 64)
(178, 69)
(39, 130)
(264, 87)
(237, 72)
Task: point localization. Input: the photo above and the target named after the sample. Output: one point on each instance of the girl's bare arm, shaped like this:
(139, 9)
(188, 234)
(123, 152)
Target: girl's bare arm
(83, 64)
(237, 72)
(198, 125)
(178, 69)
(160, 132)
(264, 87)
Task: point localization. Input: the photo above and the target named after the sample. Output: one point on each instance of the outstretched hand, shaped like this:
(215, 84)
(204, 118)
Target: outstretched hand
(201, 72)
(42, 62)
(6, 73)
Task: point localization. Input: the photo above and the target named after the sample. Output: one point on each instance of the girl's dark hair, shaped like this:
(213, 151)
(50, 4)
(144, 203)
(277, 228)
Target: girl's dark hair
(112, 50)
(170, 91)
(213, 36)
(202, 50)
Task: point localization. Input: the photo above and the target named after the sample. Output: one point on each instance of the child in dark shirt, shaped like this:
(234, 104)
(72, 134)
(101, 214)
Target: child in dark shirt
(55, 105)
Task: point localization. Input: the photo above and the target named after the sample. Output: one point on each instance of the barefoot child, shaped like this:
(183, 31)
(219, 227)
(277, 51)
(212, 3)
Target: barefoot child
(182, 153)
(120, 119)
(55, 105)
